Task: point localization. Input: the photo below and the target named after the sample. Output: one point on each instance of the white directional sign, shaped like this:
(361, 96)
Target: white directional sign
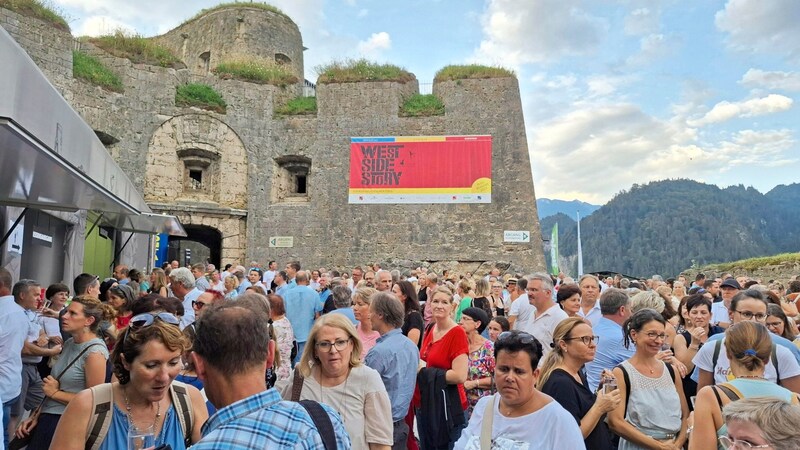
(516, 236)
(281, 241)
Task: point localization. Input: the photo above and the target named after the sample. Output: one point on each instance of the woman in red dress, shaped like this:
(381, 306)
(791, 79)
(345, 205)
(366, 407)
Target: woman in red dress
(445, 347)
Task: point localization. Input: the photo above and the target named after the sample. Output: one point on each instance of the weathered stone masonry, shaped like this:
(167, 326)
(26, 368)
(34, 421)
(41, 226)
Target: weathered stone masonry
(248, 159)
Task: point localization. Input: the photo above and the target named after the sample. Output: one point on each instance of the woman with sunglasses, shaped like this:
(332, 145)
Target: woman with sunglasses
(519, 415)
(652, 412)
(331, 372)
(562, 378)
(147, 358)
(81, 365)
(481, 357)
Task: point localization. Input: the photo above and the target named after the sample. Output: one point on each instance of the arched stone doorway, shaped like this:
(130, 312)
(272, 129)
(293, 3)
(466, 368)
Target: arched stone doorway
(204, 244)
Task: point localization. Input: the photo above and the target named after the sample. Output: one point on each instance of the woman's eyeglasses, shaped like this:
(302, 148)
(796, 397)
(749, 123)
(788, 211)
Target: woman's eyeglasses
(327, 347)
(585, 339)
(728, 443)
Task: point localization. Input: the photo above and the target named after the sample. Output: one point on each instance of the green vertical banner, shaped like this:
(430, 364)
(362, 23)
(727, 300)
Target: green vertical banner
(554, 250)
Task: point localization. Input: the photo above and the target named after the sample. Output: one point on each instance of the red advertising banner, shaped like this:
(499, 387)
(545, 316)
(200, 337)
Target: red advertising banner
(421, 169)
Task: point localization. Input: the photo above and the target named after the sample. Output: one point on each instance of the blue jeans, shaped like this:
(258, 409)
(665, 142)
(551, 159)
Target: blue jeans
(6, 419)
(300, 347)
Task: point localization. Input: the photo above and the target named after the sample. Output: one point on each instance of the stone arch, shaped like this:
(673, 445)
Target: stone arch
(196, 158)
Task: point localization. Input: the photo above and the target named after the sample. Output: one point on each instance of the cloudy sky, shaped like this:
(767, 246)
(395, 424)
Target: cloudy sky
(615, 92)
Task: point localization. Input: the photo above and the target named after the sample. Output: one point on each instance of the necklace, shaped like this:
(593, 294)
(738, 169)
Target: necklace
(341, 397)
(130, 417)
(755, 377)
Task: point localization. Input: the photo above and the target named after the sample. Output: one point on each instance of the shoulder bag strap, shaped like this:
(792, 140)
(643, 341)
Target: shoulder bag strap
(72, 363)
(715, 358)
(774, 358)
(486, 424)
(100, 420)
(627, 379)
(731, 391)
(297, 385)
(322, 421)
(715, 390)
(183, 406)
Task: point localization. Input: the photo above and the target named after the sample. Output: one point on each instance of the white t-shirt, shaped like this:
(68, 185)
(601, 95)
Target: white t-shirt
(704, 358)
(269, 275)
(549, 428)
(522, 308)
(719, 313)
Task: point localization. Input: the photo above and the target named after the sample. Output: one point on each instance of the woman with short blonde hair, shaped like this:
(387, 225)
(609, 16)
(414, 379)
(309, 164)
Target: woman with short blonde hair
(331, 372)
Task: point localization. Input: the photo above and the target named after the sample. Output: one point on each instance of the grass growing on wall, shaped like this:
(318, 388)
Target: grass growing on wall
(257, 71)
(38, 10)
(298, 106)
(201, 96)
(90, 69)
(463, 72)
(751, 264)
(350, 71)
(138, 49)
(248, 4)
(419, 105)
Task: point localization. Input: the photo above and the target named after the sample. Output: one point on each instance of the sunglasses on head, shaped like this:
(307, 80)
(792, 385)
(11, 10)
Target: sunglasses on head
(147, 319)
(521, 336)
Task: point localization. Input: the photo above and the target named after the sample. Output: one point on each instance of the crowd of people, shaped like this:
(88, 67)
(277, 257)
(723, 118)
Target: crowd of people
(260, 357)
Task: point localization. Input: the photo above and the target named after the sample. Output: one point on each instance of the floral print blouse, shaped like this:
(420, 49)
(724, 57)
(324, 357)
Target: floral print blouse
(481, 365)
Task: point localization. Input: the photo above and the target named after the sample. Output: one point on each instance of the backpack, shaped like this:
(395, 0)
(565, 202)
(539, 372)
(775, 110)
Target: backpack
(773, 357)
(103, 407)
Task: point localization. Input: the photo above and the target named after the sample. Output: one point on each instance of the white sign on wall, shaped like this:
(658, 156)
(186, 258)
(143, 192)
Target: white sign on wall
(516, 236)
(281, 241)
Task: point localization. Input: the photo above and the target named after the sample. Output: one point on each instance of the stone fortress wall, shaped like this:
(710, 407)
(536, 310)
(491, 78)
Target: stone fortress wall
(250, 159)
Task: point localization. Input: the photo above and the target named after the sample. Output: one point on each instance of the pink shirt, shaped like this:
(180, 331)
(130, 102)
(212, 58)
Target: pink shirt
(368, 340)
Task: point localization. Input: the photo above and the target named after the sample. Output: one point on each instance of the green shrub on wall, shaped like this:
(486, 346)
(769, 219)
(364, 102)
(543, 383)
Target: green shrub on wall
(257, 71)
(419, 105)
(298, 106)
(38, 10)
(90, 69)
(138, 49)
(351, 71)
(200, 95)
(464, 72)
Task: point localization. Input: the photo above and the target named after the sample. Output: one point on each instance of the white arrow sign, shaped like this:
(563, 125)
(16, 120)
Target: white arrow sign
(516, 236)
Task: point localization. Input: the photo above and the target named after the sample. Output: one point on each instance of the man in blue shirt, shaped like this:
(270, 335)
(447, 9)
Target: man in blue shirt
(610, 352)
(396, 358)
(13, 330)
(231, 351)
(302, 308)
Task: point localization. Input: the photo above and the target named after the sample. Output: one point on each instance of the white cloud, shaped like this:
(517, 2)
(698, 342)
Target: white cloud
(788, 81)
(375, 45)
(516, 32)
(768, 26)
(651, 48)
(725, 110)
(642, 21)
(594, 151)
(102, 25)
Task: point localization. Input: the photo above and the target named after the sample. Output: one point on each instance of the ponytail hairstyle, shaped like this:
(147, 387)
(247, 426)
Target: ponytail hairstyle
(638, 320)
(556, 356)
(92, 307)
(748, 343)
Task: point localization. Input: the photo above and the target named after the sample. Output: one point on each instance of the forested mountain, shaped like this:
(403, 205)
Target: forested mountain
(666, 226)
(548, 207)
